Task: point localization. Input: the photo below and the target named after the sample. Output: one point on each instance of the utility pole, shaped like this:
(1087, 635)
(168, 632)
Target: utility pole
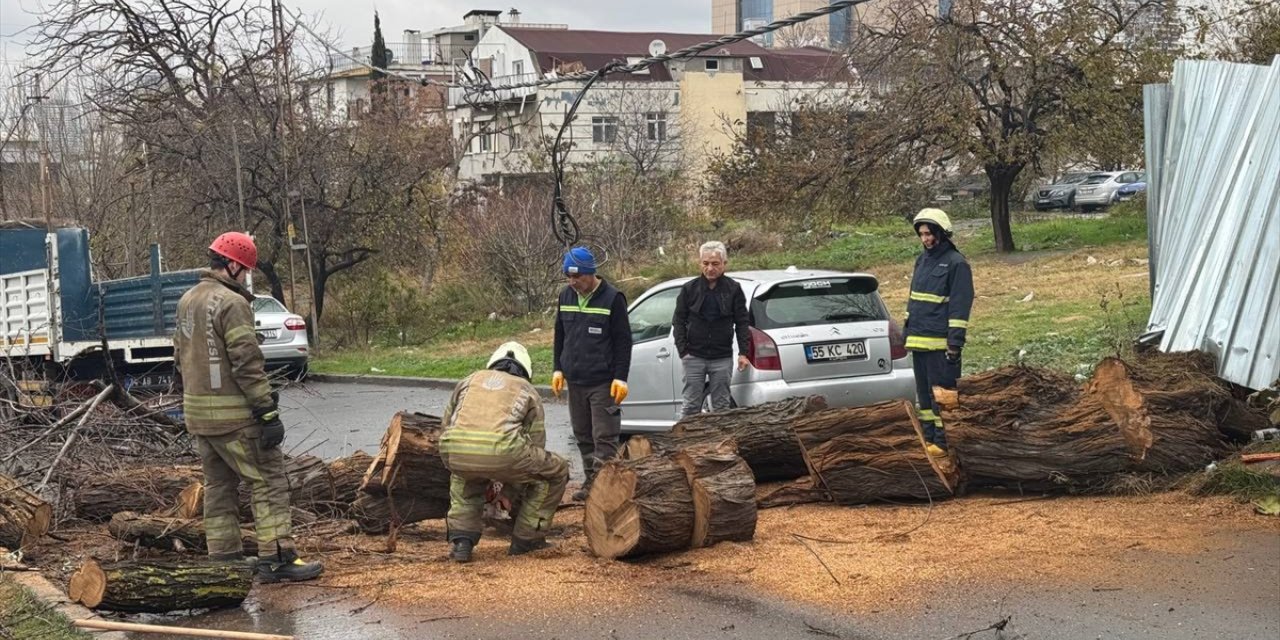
(42, 131)
(235, 150)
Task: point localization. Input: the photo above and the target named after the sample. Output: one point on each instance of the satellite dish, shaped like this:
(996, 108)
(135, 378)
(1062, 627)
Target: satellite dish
(657, 48)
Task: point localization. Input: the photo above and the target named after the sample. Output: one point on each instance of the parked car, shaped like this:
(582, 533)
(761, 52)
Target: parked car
(282, 334)
(1061, 194)
(1099, 189)
(1128, 191)
(824, 333)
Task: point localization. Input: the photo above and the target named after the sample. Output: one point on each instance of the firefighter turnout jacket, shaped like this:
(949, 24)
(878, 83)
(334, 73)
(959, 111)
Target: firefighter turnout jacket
(216, 353)
(491, 420)
(940, 299)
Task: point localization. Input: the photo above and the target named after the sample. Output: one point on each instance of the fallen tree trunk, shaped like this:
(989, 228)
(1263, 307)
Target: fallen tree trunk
(789, 494)
(24, 517)
(864, 454)
(311, 488)
(169, 533)
(347, 474)
(140, 489)
(724, 501)
(407, 481)
(639, 507)
(160, 588)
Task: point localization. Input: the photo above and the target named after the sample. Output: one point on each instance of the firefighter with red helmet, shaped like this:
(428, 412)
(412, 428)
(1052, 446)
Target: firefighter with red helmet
(232, 415)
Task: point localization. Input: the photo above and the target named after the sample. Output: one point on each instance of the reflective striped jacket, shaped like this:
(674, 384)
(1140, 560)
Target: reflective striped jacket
(215, 350)
(940, 299)
(491, 418)
(593, 336)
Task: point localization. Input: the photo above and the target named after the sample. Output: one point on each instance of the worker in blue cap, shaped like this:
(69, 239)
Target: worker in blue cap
(592, 359)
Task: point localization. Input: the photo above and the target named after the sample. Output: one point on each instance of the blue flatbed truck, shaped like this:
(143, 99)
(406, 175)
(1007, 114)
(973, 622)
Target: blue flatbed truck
(54, 315)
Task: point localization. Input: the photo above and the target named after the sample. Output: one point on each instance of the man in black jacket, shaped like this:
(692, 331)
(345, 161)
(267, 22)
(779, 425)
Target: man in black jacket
(592, 358)
(710, 311)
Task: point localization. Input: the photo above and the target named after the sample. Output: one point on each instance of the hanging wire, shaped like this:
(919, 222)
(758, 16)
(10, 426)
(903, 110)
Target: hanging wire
(563, 225)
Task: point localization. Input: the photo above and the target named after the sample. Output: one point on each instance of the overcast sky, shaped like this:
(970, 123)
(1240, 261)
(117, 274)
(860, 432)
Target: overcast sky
(352, 20)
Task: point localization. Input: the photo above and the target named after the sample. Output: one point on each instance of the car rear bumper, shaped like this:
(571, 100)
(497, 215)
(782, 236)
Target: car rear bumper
(1093, 199)
(899, 384)
(290, 354)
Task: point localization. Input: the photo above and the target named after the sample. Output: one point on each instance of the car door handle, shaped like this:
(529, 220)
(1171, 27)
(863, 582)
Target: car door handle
(663, 354)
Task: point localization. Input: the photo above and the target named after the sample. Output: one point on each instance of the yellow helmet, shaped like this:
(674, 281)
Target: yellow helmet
(515, 351)
(936, 216)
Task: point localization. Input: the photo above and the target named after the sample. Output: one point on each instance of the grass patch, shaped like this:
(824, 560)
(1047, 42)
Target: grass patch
(429, 361)
(23, 616)
(1238, 480)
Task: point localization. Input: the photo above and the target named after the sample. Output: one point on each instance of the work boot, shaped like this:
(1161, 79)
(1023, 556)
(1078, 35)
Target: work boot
(286, 566)
(935, 451)
(581, 494)
(520, 547)
(461, 551)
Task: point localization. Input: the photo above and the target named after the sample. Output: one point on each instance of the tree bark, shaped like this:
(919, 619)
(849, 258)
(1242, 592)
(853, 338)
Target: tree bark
(763, 433)
(311, 488)
(799, 491)
(169, 533)
(160, 588)
(24, 517)
(347, 474)
(864, 454)
(639, 507)
(140, 489)
(1002, 177)
(377, 514)
(724, 500)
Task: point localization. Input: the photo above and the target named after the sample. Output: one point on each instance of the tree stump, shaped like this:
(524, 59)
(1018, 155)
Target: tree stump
(169, 533)
(764, 435)
(160, 588)
(864, 454)
(724, 493)
(140, 489)
(24, 517)
(639, 507)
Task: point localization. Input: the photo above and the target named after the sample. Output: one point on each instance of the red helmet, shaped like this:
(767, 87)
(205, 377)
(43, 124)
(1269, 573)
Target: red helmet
(236, 247)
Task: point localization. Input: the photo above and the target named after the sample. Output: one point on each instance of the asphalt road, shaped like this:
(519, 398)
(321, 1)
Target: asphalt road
(332, 420)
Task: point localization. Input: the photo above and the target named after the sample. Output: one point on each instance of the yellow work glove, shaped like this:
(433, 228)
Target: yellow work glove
(557, 383)
(619, 391)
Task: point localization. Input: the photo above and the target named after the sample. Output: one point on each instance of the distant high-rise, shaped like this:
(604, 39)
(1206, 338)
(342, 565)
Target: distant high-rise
(728, 16)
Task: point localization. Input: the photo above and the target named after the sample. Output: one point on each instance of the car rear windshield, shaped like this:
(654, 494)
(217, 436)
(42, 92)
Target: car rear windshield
(1097, 178)
(818, 301)
(268, 305)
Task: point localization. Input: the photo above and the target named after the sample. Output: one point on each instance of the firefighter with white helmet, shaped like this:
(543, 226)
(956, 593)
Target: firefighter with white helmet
(494, 431)
(937, 319)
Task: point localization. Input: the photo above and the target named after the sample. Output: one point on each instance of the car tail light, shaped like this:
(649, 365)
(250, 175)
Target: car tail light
(762, 352)
(897, 341)
(295, 324)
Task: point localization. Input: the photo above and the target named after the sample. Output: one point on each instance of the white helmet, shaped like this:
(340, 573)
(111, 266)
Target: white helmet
(515, 351)
(936, 216)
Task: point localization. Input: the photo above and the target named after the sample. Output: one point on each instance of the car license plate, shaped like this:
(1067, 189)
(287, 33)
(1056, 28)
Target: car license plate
(855, 350)
(269, 334)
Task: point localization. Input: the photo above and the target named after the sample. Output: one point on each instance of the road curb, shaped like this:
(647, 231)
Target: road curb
(46, 592)
(444, 384)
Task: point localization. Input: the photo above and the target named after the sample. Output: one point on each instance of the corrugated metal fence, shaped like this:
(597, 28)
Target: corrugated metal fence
(1213, 189)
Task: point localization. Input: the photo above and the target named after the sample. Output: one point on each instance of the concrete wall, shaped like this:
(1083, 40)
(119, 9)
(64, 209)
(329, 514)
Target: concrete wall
(710, 105)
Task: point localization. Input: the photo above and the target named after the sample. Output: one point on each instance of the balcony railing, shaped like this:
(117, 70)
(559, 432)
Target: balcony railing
(403, 55)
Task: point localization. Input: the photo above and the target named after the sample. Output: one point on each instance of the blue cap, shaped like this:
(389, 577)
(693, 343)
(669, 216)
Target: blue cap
(579, 261)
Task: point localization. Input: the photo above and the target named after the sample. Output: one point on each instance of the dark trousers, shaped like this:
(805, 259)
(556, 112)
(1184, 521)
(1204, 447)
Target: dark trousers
(597, 425)
(933, 368)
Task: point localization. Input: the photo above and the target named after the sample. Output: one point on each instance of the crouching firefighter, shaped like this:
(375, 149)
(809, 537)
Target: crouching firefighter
(231, 413)
(494, 431)
(937, 319)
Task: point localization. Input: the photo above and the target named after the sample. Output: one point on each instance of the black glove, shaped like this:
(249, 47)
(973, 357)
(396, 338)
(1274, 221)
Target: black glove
(272, 428)
(275, 398)
(953, 355)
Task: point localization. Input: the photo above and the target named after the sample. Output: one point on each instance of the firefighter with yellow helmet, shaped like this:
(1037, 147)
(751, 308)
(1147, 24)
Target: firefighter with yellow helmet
(494, 431)
(937, 319)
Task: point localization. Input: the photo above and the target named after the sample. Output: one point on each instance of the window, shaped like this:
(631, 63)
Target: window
(517, 141)
(757, 63)
(821, 301)
(604, 129)
(486, 142)
(651, 319)
(517, 68)
(470, 37)
(267, 304)
(713, 65)
(657, 125)
(1097, 178)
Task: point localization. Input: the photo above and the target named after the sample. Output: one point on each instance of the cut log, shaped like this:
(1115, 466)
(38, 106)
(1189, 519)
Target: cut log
(311, 489)
(724, 500)
(864, 454)
(637, 507)
(347, 474)
(764, 435)
(160, 588)
(637, 447)
(140, 489)
(169, 533)
(788, 494)
(24, 517)
(407, 468)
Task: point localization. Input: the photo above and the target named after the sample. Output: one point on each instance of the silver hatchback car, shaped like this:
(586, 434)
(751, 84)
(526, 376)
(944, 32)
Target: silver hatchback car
(824, 333)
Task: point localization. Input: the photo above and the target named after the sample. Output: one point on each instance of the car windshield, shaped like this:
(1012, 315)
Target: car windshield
(263, 304)
(1097, 178)
(818, 301)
